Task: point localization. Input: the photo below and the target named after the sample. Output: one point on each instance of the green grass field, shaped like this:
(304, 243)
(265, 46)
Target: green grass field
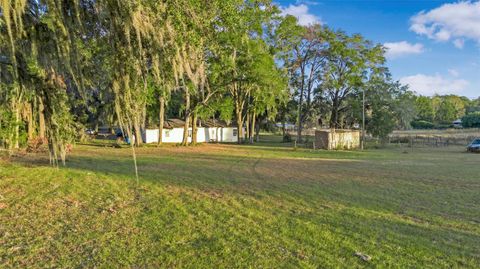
(261, 206)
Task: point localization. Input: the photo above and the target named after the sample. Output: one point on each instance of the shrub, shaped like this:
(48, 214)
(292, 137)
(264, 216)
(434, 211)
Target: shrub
(402, 140)
(471, 120)
(422, 124)
(287, 138)
(37, 145)
(443, 126)
(381, 123)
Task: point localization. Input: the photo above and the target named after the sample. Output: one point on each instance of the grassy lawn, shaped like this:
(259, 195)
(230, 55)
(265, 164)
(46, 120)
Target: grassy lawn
(261, 206)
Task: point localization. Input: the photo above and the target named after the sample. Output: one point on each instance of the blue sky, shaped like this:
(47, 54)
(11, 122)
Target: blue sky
(434, 46)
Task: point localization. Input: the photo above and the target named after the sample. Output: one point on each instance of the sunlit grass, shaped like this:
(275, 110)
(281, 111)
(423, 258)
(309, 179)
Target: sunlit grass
(266, 205)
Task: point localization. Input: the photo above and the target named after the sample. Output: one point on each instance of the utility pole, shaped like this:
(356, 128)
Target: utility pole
(362, 144)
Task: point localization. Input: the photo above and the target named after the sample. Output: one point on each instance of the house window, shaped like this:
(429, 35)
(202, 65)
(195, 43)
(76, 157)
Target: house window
(167, 133)
(189, 133)
(235, 132)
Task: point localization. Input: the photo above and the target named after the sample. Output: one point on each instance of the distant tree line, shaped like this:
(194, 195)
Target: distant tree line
(440, 111)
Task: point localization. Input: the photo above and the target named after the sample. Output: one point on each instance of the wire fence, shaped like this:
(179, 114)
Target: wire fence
(435, 138)
(411, 138)
(431, 141)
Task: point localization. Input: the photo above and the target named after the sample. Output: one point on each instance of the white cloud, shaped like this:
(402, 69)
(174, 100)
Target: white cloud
(302, 14)
(458, 43)
(456, 21)
(453, 72)
(431, 85)
(398, 49)
(307, 2)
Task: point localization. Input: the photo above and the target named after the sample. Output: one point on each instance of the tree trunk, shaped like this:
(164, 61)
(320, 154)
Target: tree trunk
(300, 103)
(334, 115)
(3, 141)
(17, 126)
(138, 133)
(247, 128)
(341, 121)
(111, 123)
(194, 128)
(143, 119)
(41, 119)
(299, 131)
(253, 129)
(187, 118)
(300, 118)
(31, 122)
(238, 112)
(162, 119)
(334, 118)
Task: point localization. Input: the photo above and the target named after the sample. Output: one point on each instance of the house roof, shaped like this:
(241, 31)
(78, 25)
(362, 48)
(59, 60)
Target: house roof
(214, 123)
(173, 123)
(178, 123)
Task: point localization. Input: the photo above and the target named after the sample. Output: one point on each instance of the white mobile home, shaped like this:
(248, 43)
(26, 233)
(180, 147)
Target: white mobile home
(207, 131)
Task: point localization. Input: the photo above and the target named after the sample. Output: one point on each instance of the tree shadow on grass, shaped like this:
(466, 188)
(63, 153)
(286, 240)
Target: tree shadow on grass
(273, 172)
(255, 177)
(219, 171)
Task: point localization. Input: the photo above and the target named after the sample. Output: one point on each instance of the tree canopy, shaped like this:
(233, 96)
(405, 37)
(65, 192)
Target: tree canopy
(67, 65)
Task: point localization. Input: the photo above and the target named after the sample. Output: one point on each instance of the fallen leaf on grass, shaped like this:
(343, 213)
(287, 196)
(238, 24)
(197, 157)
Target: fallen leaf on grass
(301, 255)
(3, 205)
(215, 195)
(362, 256)
(72, 202)
(15, 249)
